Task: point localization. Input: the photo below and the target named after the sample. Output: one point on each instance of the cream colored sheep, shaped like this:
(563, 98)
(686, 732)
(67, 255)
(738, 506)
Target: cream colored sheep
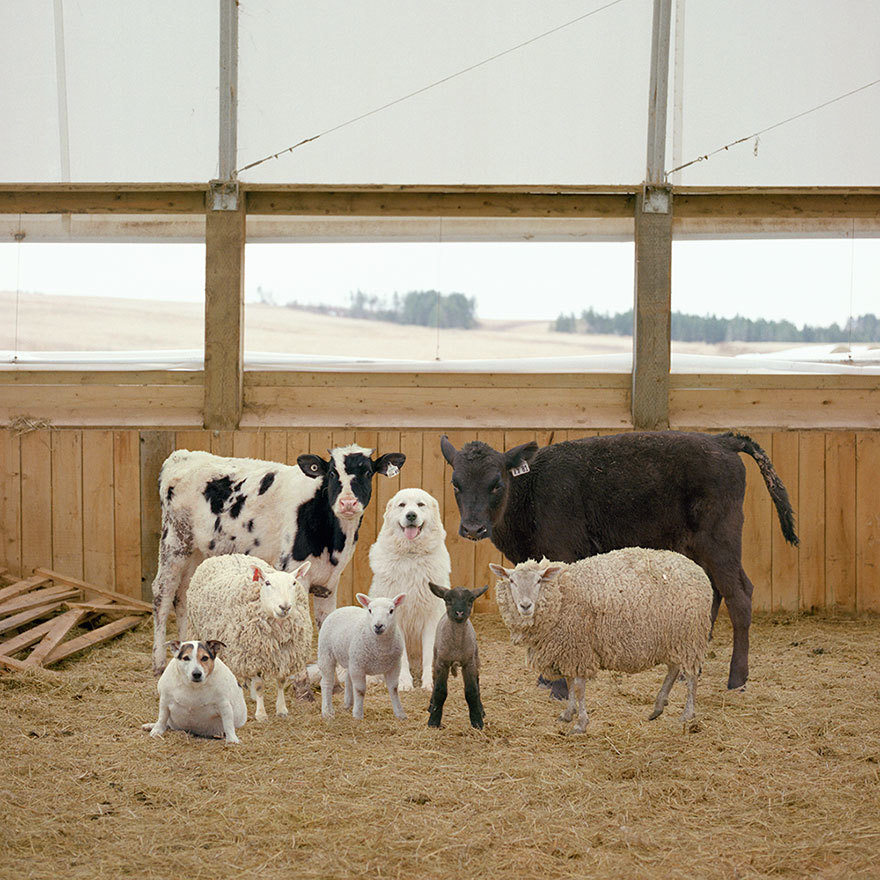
(260, 614)
(627, 610)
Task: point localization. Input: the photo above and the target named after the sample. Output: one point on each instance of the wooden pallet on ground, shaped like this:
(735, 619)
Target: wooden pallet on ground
(60, 604)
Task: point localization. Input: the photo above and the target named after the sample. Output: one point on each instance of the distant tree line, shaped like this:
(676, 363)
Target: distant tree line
(708, 328)
(428, 308)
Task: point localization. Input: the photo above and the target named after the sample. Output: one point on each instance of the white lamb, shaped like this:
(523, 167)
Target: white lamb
(364, 641)
(262, 616)
(627, 610)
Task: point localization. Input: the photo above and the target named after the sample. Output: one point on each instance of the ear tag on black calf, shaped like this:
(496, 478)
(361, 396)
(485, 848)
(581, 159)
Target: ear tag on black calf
(519, 471)
(392, 470)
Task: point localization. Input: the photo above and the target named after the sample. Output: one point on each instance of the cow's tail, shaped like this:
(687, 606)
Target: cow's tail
(742, 443)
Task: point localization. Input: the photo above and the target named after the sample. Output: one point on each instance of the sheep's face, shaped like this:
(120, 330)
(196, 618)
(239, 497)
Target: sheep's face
(277, 596)
(381, 612)
(525, 585)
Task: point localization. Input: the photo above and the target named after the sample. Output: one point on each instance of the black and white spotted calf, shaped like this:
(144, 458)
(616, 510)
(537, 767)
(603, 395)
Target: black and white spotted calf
(280, 513)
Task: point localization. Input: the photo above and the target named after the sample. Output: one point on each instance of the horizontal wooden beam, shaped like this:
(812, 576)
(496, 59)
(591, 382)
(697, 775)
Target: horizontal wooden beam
(775, 381)
(331, 203)
(778, 204)
(528, 201)
(136, 378)
(436, 407)
(102, 405)
(405, 379)
(102, 199)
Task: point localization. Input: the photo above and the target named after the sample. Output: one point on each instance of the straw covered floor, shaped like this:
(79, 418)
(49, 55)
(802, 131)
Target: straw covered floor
(779, 781)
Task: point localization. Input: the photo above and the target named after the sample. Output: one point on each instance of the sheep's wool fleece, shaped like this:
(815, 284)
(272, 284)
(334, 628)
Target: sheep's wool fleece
(627, 610)
(223, 602)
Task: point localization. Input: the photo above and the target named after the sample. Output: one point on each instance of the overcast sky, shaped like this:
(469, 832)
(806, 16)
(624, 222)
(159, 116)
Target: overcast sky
(140, 99)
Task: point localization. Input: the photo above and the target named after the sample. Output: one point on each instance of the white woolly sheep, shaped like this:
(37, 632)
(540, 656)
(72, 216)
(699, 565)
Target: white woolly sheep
(627, 610)
(262, 616)
(365, 641)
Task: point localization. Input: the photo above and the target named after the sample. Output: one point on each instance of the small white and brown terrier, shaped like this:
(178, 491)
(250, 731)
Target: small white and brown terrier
(410, 551)
(199, 694)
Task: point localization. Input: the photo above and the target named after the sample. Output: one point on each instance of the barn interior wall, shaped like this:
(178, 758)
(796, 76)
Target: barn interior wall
(83, 501)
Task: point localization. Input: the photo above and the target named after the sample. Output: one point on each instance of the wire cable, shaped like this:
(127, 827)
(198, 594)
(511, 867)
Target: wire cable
(771, 127)
(433, 85)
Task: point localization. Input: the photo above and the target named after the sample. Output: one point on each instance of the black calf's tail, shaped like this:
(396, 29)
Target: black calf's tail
(741, 443)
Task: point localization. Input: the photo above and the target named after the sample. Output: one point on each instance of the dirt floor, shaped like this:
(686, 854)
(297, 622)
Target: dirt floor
(779, 781)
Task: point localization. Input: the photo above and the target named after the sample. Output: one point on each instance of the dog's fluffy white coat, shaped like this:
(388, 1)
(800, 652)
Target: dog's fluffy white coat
(409, 551)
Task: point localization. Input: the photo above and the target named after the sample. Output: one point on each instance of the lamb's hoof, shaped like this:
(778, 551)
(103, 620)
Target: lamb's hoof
(261, 718)
(741, 689)
(327, 715)
(577, 729)
(148, 726)
(283, 714)
(565, 717)
(655, 714)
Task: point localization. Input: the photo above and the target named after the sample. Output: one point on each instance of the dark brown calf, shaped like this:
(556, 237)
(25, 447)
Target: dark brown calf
(663, 490)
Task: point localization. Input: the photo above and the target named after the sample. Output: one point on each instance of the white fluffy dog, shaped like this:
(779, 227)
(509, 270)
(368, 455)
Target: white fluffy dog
(409, 551)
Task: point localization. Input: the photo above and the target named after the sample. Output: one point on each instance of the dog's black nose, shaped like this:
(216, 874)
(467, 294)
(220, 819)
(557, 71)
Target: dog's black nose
(411, 516)
(197, 676)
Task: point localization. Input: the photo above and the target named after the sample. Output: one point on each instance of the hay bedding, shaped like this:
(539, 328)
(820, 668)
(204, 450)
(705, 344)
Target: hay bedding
(779, 781)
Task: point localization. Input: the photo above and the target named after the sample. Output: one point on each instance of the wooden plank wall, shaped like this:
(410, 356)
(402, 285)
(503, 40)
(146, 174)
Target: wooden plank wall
(72, 500)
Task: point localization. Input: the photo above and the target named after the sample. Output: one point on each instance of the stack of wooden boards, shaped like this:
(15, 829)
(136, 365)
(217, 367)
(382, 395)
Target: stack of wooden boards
(61, 603)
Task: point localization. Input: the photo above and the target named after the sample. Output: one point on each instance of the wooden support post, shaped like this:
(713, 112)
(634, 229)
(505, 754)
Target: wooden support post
(653, 246)
(224, 316)
(224, 249)
(156, 446)
(652, 310)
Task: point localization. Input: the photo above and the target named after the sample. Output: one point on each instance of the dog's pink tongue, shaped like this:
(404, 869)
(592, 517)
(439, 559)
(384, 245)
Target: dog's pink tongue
(411, 532)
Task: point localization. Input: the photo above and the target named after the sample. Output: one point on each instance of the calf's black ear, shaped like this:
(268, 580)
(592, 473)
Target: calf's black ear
(312, 465)
(439, 592)
(515, 457)
(447, 449)
(389, 464)
(475, 594)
